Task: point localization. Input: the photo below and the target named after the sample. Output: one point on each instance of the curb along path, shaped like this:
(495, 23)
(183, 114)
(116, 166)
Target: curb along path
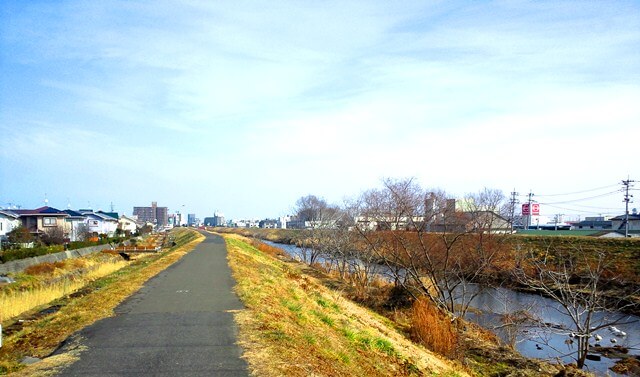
(178, 324)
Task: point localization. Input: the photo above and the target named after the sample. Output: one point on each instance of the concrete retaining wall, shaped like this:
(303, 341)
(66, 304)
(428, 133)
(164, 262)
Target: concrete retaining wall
(20, 265)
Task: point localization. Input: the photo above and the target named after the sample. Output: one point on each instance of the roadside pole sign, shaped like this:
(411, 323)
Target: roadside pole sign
(535, 209)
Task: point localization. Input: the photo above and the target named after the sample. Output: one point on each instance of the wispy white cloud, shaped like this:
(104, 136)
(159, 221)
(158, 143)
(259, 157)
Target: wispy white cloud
(353, 91)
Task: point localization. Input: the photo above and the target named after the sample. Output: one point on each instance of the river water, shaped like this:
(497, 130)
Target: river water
(551, 342)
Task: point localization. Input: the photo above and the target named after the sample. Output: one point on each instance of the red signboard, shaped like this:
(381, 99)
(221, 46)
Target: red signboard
(535, 209)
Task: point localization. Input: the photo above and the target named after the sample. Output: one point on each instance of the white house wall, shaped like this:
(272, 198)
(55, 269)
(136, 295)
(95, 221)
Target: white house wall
(7, 225)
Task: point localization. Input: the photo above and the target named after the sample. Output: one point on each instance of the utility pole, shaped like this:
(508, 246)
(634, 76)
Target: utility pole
(627, 199)
(530, 196)
(513, 202)
(557, 219)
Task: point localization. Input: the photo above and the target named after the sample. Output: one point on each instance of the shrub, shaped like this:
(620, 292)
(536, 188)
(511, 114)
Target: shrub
(19, 235)
(15, 254)
(53, 236)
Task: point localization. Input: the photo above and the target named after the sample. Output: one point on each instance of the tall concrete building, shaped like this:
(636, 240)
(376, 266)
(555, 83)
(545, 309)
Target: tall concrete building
(191, 219)
(159, 216)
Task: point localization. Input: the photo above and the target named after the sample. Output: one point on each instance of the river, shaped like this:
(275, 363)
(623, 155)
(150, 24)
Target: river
(542, 342)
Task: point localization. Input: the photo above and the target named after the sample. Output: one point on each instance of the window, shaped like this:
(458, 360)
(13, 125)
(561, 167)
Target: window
(49, 221)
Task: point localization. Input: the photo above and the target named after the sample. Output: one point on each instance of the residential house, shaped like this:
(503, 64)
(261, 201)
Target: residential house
(618, 222)
(8, 222)
(115, 215)
(41, 220)
(128, 224)
(76, 225)
(100, 223)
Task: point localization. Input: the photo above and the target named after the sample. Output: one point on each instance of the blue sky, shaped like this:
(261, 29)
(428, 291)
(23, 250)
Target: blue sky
(244, 106)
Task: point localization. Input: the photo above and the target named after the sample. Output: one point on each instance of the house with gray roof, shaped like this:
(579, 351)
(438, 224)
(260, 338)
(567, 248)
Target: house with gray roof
(41, 220)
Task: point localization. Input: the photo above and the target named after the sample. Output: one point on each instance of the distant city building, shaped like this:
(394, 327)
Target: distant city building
(243, 223)
(191, 219)
(172, 220)
(216, 220)
(159, 216)
(180, 220)
(268, 224)
(282, 222)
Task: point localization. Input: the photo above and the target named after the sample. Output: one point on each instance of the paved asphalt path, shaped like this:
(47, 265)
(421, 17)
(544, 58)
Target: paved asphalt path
(177, 324)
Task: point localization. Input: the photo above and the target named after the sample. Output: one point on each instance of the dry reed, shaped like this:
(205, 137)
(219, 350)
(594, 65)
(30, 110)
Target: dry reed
(434, 329)
(15, 302)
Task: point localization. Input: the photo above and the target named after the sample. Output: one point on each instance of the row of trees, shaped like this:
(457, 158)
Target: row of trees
(430, 248)
(415, 237)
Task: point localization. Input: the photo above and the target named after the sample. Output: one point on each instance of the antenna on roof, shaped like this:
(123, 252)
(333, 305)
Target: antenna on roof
(46, 201)
(111, 207)
(68, 203)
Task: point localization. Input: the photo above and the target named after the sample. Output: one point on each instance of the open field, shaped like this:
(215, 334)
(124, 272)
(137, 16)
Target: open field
(38, 332)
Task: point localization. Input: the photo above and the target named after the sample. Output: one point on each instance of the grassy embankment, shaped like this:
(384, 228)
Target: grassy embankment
(481, 352)
(38, 332)
(295, 326)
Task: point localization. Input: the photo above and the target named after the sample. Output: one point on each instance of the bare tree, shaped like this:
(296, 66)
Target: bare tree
(574, 280)
(82, 232)
(430, 248)
(315, 217)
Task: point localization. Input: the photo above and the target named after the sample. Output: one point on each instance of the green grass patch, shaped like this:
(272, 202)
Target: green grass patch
(324, 318)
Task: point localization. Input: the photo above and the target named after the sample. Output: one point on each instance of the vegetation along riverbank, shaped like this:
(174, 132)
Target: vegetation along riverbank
(583, 275)
(301, 319)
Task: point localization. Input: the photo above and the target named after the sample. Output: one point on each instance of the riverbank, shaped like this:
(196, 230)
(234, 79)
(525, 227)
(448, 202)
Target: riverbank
(285, 299)
(622, 279)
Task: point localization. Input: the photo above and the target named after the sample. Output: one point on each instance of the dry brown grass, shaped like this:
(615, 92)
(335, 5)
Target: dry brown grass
(16, 302)
(434, 329)
(295, 326)
(267, 249)
(41, 337)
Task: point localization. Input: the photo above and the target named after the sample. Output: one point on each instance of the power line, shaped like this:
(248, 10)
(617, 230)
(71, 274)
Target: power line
(582, 199)
(579, 210)
(580, 192)
(594, 207)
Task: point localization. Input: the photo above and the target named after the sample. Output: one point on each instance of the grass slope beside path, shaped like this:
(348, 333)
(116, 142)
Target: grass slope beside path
(40, 337)
(295, 326)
